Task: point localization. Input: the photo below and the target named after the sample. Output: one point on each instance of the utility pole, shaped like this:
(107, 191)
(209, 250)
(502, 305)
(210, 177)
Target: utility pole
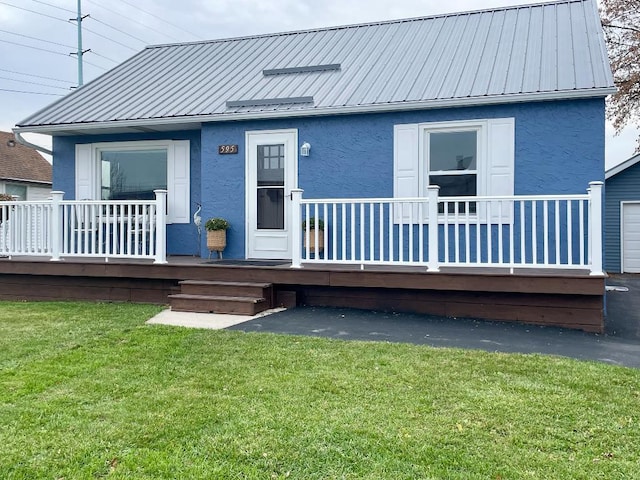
(80, 51)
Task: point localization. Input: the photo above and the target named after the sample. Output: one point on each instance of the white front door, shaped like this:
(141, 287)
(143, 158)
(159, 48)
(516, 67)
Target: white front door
(272, 167)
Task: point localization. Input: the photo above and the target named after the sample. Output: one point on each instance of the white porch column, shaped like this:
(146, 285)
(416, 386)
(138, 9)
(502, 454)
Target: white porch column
(56, 225)
(296, 228)
(161, 226)
(595, 227)
(432, 195)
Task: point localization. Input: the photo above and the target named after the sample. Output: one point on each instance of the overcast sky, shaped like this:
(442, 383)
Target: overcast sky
(36, 38)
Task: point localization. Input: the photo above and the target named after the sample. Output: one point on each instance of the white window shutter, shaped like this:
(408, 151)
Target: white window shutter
(86, 180)
(500, 166)
(406, 169)
(178, 182)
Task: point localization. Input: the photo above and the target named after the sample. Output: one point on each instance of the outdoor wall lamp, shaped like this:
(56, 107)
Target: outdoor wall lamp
(305, 149)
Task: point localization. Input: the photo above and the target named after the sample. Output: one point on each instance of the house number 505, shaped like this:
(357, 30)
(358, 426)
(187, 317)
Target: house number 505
(226, 149)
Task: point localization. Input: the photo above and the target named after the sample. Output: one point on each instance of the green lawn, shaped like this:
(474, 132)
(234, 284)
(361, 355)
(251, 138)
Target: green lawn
(89, 391)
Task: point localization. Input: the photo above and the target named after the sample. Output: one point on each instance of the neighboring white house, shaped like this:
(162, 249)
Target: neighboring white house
(23, 171)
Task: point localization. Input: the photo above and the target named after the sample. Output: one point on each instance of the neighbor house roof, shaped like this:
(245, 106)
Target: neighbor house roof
(630, 162)
(533, 52)
(20, 163)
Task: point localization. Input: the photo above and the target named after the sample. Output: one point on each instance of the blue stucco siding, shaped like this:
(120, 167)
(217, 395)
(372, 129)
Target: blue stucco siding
(559, 149)
(623, 187)
(182, 239)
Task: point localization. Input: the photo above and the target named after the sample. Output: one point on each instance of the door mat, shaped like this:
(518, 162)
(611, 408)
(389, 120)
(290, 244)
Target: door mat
(250, 263)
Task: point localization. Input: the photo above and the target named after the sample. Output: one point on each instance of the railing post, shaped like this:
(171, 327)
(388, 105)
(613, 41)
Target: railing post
(296, 228)
(56, 225)
(595, 227)
(161, 226)
(433, 265)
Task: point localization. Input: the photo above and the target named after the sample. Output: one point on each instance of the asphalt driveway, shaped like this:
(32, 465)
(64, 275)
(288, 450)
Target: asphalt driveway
(619, 345)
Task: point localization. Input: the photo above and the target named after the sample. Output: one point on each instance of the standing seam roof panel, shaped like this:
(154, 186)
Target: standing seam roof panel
(531, 71)
(386, 66)
(487, 59)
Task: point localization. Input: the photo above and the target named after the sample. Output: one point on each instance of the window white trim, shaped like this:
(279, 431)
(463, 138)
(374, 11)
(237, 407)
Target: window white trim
(88, 172)
(495, 165)
(479, 126)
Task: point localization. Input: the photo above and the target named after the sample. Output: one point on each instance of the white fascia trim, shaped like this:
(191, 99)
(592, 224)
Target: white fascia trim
(387, 107)
(622, 166)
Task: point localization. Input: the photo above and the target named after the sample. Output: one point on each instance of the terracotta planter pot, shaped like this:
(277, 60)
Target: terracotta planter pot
(216, 240)
(311, 245)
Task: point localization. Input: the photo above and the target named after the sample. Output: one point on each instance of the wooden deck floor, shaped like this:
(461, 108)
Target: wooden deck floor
(567, 298)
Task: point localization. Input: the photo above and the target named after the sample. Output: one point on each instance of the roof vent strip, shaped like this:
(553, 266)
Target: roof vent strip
(268, 101)
(307, 69)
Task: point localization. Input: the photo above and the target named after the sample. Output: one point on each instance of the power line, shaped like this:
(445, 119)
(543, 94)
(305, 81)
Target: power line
(33, 11)
(102, 56)
(33, 93)
(107, 38)
(34, 75)
(36, 38)
(94, 65)
(33, 83)
(35, 48)
(161, 19)
(53, 6)
(137, 24)
(52, 51)
(118, 30)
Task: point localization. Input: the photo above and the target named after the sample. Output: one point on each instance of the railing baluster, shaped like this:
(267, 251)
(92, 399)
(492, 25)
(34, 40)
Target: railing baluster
(467, 237)
(353, 231)
(545, 230)
(392, 206)
(362, 238)
(344, 231)
(381, 231)
(500, 239)
(446, 250)
(581, 234)
(570, 233)
(421, 232)
(334, 231)
(372, 238)
(489, 234)
(534, 231)
(557, 227)
(401, 233)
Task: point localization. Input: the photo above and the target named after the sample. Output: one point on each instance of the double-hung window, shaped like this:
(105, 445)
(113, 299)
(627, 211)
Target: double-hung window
(464, 158)
(452, 164)
(133, 170)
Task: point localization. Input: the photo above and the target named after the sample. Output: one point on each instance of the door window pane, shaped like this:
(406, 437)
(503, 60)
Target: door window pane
(133, 174)
(270, 208)
(270, 165)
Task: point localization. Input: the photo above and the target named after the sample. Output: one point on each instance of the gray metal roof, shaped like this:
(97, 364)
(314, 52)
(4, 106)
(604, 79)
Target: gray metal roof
(540, 51)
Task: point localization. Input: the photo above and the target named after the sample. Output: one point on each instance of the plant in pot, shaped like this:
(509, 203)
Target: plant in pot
(216, 234)
(310, 243)
(4, 210)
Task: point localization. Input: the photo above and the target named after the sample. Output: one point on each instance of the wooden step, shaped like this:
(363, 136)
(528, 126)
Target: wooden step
(183, 302)
(234, 289)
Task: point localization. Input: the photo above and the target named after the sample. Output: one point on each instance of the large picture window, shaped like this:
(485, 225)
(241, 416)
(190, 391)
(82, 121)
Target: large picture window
(132, 174)
(133, 170)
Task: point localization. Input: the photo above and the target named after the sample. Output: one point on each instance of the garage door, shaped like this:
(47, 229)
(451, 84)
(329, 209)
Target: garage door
(631, 237)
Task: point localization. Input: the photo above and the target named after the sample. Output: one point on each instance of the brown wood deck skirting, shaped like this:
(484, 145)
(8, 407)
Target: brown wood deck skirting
(561, 298)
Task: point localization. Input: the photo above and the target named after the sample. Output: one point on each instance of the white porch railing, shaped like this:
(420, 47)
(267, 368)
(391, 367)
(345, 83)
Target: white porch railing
(541, 231)
(85, 228)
